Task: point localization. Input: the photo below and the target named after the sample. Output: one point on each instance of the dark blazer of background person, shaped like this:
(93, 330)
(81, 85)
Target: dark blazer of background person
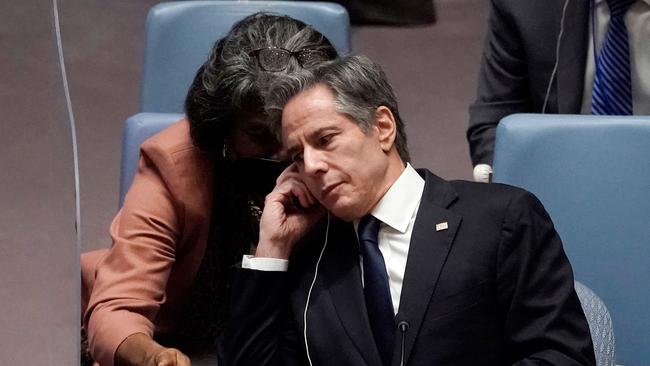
(517, 62)
(495, 288)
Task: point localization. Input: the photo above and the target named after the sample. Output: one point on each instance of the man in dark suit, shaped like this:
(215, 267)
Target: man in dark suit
(437, 273)
(540, 57)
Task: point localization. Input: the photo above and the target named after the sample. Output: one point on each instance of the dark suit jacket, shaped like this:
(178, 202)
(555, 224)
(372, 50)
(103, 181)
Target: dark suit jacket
(495, 288)
(517, 63)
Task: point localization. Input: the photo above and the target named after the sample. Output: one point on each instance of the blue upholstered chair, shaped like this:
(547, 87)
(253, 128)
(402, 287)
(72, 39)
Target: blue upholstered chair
(179, 36)
(593, 176)
(137, 129)
(600, 325)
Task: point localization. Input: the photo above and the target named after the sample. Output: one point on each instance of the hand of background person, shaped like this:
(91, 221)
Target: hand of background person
(140, 350)
(169, 357)
(290, 211)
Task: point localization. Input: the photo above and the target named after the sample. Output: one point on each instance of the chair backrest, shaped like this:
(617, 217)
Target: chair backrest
(179, 36)
(600, 325)
(593, 176)
(137, 129)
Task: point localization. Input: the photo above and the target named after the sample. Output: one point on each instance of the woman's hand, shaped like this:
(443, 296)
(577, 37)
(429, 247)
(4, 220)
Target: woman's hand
(169, 357)
(140, 350)
(290, 211)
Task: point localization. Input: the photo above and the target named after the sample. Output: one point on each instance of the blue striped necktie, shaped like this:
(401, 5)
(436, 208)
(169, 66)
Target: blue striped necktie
(612, 92)
(375, 288)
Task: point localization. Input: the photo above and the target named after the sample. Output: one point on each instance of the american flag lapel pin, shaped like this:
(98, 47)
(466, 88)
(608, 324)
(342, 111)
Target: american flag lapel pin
(442, 226)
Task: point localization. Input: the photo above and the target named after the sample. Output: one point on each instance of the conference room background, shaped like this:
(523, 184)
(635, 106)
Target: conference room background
(433, 69)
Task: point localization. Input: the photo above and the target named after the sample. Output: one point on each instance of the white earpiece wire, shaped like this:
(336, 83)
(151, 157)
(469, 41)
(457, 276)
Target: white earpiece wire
(557, 57)
(311, 287)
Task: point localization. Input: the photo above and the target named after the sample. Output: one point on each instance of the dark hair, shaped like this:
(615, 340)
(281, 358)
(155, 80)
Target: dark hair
(231, 81)
(359, 86)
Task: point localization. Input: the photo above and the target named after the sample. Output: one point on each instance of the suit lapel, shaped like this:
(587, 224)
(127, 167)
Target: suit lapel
(342, 277)
(573, 56)
(427, 254)
(430, 245)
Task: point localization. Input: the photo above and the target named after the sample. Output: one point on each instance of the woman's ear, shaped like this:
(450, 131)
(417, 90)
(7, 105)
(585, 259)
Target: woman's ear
(386, 127)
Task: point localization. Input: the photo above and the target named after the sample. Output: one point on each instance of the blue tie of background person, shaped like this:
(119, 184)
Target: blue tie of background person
(612, 93)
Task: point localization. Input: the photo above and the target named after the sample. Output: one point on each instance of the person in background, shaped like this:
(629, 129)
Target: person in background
(559, 56)
(161, 291)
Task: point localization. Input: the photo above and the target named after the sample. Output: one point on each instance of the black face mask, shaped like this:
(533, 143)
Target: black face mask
(256, 176)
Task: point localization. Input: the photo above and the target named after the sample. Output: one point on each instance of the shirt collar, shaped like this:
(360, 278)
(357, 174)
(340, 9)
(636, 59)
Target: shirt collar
(398, 205)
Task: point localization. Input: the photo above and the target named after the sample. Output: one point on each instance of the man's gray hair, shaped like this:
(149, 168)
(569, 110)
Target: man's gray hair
(359, 86)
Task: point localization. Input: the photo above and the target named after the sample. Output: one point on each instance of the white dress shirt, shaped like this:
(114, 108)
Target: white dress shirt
(397, 211)
(637, 21)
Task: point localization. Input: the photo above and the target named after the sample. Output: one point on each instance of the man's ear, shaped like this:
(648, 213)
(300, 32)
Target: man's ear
(386, 126)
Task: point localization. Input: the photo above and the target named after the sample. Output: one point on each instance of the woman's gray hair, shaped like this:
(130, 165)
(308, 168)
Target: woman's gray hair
(231, 81)
(359, 86)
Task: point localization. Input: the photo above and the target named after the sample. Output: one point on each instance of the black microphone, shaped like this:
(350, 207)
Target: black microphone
(403, 327)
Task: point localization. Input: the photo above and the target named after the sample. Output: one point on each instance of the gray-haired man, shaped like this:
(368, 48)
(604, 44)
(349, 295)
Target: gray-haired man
(439, 273)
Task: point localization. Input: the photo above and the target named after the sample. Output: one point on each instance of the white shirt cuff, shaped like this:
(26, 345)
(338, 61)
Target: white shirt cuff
(482, 173)
(264, 264)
